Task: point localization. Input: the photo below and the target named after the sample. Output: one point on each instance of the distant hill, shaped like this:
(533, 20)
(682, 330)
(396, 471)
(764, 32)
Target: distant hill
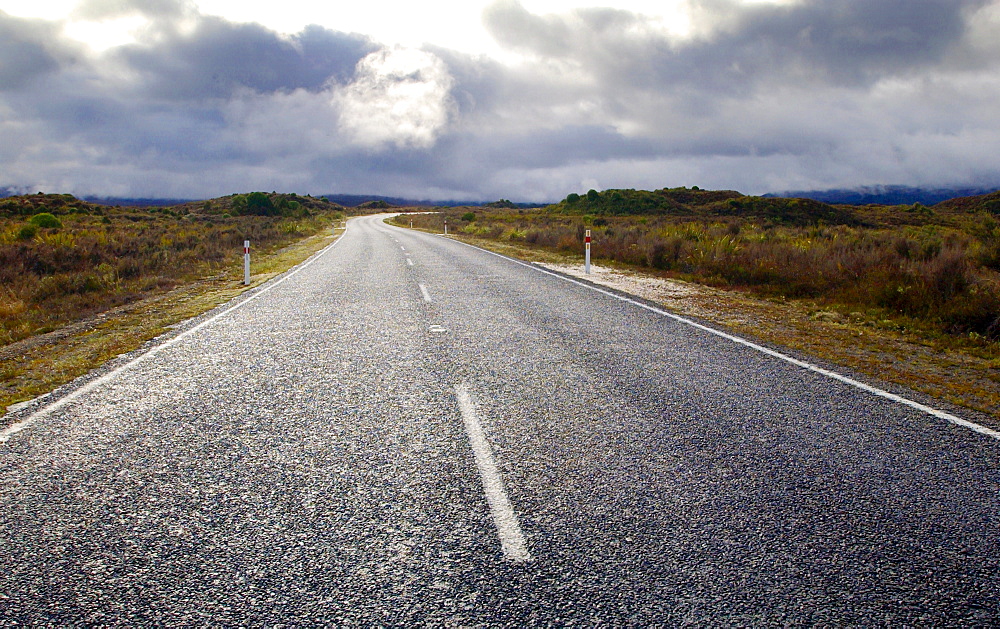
(12, 191)
(694, 202)
(254, 203)
(969, 205)
(357, 200)
(346, 200)
(883, 195)
(136, 202)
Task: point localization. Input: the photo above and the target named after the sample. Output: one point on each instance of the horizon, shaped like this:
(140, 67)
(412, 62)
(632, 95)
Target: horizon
(865, 195)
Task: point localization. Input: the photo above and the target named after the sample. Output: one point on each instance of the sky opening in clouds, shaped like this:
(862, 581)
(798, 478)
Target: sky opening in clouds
(521, 99)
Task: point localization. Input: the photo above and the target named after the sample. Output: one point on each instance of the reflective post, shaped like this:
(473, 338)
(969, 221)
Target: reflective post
(246, 263)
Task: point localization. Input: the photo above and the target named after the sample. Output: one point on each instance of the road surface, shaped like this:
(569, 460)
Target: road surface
(408, 430)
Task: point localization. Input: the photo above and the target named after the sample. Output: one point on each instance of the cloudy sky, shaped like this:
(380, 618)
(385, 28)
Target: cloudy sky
(520, 99)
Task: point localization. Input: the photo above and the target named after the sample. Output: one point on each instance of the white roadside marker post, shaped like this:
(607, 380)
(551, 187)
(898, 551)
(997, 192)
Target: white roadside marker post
(246, 263)
(445, 227)
(411, 223)
(586, 245)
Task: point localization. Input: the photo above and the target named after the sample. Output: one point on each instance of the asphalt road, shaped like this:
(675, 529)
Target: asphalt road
(410, 431)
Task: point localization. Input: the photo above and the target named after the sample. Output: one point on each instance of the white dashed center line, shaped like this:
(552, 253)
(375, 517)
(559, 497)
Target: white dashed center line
(511, 538)
(423, 291)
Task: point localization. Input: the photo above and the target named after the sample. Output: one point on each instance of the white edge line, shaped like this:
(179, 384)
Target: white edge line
(423, 291)
(760, 348)
(17, 427)
(512, 541)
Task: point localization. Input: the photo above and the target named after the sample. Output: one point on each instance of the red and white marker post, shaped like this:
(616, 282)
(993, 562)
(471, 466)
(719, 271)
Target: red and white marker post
(246, 263)
(586, 246)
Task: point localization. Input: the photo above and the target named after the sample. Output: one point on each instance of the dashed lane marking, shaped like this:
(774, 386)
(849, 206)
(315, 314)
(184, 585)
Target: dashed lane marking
(512, 541)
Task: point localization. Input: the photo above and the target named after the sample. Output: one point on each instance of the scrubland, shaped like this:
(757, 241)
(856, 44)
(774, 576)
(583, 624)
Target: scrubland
(938, 268)
(932, 273)
(63, 261)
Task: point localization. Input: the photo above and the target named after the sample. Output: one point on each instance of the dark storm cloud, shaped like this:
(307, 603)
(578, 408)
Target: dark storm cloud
(219, 57)
(836, 41)
(29, 50)
(480, 83)
(195, 95)
(831, 41)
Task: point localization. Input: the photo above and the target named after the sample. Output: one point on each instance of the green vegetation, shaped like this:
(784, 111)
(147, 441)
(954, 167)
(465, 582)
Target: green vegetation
(502, 204)
(697, 203)
(45, 219)
(263, 204)
(375, 205)
(74, 259)
(936, 268)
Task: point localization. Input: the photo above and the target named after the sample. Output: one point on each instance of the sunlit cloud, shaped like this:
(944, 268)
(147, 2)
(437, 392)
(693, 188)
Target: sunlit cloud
(102, 35)
(400, 97)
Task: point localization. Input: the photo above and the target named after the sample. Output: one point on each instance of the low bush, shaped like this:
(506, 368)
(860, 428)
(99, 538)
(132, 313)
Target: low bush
(45, 219)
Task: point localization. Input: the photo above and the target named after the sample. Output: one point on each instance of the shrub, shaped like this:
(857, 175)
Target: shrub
(260, 204)
(27, 232)
(468, 217)
(45, 219)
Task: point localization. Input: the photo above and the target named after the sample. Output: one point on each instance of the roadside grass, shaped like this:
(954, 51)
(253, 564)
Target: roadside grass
(955, 359)
(51, 335)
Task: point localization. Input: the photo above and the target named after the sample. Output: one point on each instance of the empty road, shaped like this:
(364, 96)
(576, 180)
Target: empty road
(407, 430)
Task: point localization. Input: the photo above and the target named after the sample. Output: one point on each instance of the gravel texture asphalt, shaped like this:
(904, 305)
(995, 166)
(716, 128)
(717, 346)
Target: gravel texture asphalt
(302, 459)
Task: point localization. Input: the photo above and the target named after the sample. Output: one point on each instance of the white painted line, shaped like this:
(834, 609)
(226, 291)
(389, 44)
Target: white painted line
(983, 430)
(409, 262)
(423, 291)
(402, 247)
(13, 429)
(511, 538)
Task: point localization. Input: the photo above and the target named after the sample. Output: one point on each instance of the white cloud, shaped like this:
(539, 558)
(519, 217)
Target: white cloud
(101, 35)
(400, 97)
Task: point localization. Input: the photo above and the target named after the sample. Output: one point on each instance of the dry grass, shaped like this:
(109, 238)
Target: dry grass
(95, 258)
